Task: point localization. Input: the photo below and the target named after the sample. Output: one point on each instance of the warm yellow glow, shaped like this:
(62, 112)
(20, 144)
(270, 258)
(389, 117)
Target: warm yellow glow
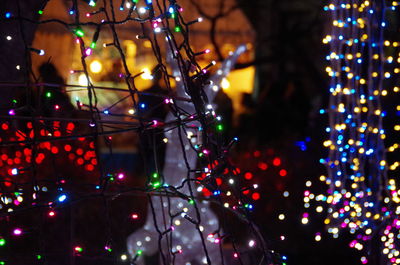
(225, 84)
(96, 67)
(146, 74)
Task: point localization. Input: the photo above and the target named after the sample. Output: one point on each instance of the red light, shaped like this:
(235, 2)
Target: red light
(248, 175)
(219, 181)
(257, 154)
(57, 134)
(79, 151)
(256, 196)
(262, 166)
(52, 213)
(4, 126)
(67, 147)
(282, 172)
(89, 167)
(276, 162)
(206, 192)
(80, 161)
(54, 150)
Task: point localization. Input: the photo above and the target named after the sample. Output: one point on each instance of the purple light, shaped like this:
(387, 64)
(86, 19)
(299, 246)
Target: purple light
(17, 232)
(88, 51)
(11, 112)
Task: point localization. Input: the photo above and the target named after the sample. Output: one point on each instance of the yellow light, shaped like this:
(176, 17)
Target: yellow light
(146, 74)
(96, 67)
(225, 84)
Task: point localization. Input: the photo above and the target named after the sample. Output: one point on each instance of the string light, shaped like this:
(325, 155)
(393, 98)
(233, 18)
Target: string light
(362, 197)
(188, 124)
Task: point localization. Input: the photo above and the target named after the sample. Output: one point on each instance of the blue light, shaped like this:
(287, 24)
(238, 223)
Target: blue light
(71, 12)
(106, 112)
(321, 111)
(142, 105)
(8, 15)
(62, 198)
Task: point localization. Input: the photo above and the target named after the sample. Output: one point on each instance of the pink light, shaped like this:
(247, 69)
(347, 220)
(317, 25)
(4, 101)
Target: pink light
(51, 213)
(57, 107)
(121, 176)
(16, 202)
(88, 51)
(87, 14)
(17, 232)
(11, 112)
(235, 255)
(207, 51)
(135, 216)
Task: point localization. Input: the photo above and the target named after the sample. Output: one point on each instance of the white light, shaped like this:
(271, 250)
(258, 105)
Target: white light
(281, 216)
(131, 111)
(128, 5)
(96, 66)
(200, 19)
(82, 80)
(124, 257)
(157, 30)
(18, 67)
(41, 52)
(252, 243)
(9, 38)
(142, 10)
(286, 194)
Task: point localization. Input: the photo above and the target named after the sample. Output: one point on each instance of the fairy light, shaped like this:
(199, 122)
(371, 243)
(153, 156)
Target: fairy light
(192, 217)
(361, 194)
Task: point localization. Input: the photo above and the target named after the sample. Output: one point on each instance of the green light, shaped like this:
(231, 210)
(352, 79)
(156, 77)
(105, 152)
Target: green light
(155, 175)
(177, 29)
(220, 127)
(2, 263)
(112, 179)
(40, 12)
(191, 201)
(135, 1)
(201, 154)
(15, 101)
(139, 252)
(109, 249)
(48, 94)
(2, 242)
(173, 15)
(79, 32)
(156, 184)
(39, 256)
(93, 45)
